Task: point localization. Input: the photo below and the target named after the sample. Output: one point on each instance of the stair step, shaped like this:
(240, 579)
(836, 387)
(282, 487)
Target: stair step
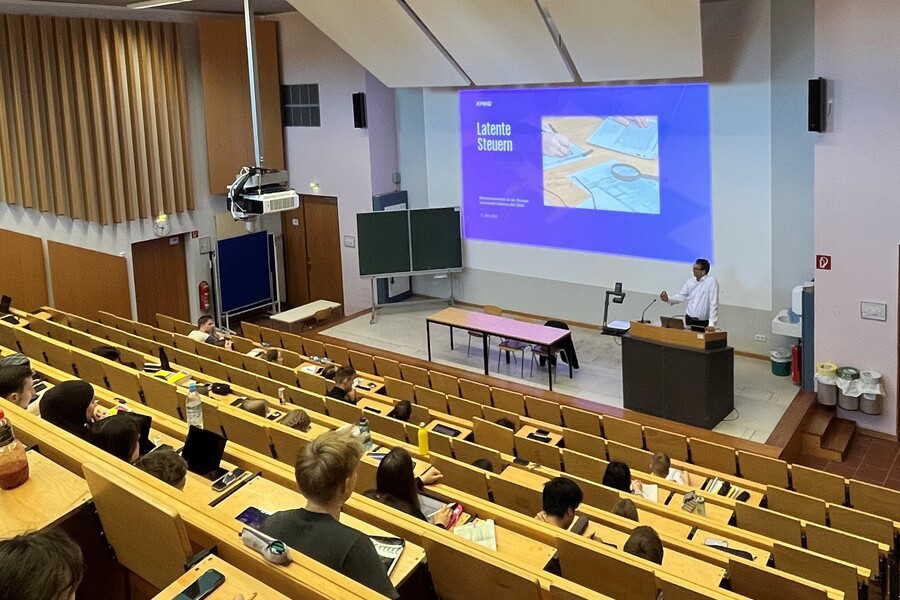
(839, 436)
(820, 420)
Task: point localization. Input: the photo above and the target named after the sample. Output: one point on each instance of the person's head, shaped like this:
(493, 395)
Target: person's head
(701, 268)
(402, 410)
(625, 508)
(166, 465)
(274, 355)
(395, 476)
(117, 435)
(660, 464)
(343, 378)
(255, 406)
(644, 542)
(107, 352)
(45, 565)
(206, 324)
(297, 419)
(561, 498)
(485, 464)
(17, 380)
(617, 476)
(70, 405)
(326, 468)
(504, 422)
(329, 371)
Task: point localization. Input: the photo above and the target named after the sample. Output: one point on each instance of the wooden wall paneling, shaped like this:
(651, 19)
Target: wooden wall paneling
(152, 142)
(112, 102)
(99, 143)
(74, 177)
(85, 281)
(176, 107)
(36, 106)
(84, 112)
(270, 93)
(157, 71)
(24, 272)
(25, 173)
(10, 185)
(50, 80)
(138, 124)
(119, 58)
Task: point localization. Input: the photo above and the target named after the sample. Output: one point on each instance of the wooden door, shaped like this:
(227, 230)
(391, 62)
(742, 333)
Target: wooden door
(160, 279)
(296, 269)
(312, 251)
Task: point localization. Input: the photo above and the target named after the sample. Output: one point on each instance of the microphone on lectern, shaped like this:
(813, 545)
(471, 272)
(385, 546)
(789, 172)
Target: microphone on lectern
(645, 311)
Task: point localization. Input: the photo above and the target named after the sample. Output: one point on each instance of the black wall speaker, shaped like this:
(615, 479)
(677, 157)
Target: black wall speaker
(818, 104)
(359, 110)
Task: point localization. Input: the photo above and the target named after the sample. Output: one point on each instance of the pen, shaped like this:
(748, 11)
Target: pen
(551, 127)
(252, 596)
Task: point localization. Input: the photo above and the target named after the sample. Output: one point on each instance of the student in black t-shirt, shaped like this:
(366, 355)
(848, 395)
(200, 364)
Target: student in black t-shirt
(326, 472)
(343, 385)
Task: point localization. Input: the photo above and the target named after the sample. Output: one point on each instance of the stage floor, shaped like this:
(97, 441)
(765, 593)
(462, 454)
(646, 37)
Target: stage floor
(760, 398)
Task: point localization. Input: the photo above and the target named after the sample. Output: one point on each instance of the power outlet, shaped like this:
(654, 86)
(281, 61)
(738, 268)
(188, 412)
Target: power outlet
(759, 337)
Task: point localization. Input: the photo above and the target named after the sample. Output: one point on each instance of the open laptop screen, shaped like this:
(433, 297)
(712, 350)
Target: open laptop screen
(203, 450)
(4, 305)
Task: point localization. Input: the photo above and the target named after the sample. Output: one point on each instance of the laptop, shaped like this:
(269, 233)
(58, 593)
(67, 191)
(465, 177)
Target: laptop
(672, 322)
(143, 423)
(5, 302)
(203, 451)
(642, 142)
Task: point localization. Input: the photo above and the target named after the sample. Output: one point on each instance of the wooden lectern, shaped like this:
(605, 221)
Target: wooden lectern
(678, 374)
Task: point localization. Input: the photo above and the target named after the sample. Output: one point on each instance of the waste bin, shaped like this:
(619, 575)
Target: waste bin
(781, 362)
(848, 398)
(870, 402)
(826, 389)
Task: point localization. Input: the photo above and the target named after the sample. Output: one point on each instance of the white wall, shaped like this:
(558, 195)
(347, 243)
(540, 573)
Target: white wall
(856, 178)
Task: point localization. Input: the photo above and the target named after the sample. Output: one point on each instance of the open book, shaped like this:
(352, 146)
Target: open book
(389, 550)
(480, 532)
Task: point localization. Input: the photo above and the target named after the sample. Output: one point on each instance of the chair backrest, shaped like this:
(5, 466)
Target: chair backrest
(161, 395)
(399, 389)
(248, 430)
(861, 523)
(469, 452)
(842, 545)
(672, 444)
(817, 567)
(875, 499)
(581, 420)
(623, 431)
(461, 571)
(165, 322)
(90, 368)
(244, 379)
(516, 496)
(362, 362)
(415, 375)
(386, 367)
(232, 358)
(185, 343)
(243, 345)
(283, 374)
(123, 381)
(292, 342)
(313, 383)
(635, 458)
(590, 565)
(763, 469)
(250, 331)
(583, 465)
(393, 428)
(461, 476)
(259, 366)
(183, 327)
(270, 336)
(566, 590)
(59, 357)
(539, 452)
(761, 583)
(493, 436)
(148, 536)
(768, 523)
(286, 443)
(305, 399)
(337, 354)
(291, 359)
(185, 359)
(493, 414)
(797, 505)
(443, 382)
(208, 351)
(344, 411)
(543, 410)
(214, 369)
(42, 327)
(596, 494)
(592, 445)
(440, 443)
(464, 409)
(30, 345)
(474, 391)
(813, 482)
(432, 399)
(313, 347)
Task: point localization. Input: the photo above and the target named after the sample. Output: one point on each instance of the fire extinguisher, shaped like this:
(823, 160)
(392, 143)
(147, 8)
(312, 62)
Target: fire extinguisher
(796, 359)
(204, 296)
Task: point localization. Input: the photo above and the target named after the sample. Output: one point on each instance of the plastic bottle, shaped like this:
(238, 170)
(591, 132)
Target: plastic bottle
(194, 406)
(13, 460)
(365, 433)
(423, 439)
(281, 395)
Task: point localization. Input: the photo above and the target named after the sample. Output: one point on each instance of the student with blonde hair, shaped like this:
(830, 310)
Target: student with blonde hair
(661, 466)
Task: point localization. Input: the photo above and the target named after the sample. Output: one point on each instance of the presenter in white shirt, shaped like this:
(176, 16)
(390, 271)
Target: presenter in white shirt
(701, 292)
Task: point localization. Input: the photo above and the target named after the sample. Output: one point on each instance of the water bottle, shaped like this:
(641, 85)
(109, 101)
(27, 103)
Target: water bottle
(194, 406)
(423, 439)
(13, 460)
(281, 395)
(365, 433)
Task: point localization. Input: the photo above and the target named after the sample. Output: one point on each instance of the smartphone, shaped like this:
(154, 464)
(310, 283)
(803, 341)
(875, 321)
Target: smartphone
(252, 517)
(203, 587)
(377, 455)
(274, 415)
(444, 430)
(372, 409)
(40, 387)
(579, 525)
(542, 432)
(538, 437)
(521, 461)
(715, 543)
(227, 479)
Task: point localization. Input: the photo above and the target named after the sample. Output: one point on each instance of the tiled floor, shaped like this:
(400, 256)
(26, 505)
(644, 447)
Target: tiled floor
(760, 397)
(869, 459)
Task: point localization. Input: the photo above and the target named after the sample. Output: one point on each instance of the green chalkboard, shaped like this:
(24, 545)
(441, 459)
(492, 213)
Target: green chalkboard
(383, 242)
(434, 235)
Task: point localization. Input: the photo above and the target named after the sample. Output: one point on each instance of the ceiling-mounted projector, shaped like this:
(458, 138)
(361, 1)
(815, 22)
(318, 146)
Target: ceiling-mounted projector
(259, 191)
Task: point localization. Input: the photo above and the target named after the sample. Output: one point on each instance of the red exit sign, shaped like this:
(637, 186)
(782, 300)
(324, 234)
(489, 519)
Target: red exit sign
(823, 262)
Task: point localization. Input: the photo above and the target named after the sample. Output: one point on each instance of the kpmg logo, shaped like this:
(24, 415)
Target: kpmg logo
(483, 103)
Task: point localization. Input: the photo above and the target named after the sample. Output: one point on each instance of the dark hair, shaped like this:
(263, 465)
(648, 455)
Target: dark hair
(297, 419)
(483, 463)
(644, 542)
(394, 502)
(329, 371)
(395, 477)
(704, 264)
(272, 354)
(107, 352)
(660, 464)
(504, 422)
(65, 405)
(255, 406)
(13, 378)
(44, 565)
(117, 434)
(617, 476)
(625, 508)
(402, 410)
(343, 374)
(164, 464)
(203, 320)
(561, 494)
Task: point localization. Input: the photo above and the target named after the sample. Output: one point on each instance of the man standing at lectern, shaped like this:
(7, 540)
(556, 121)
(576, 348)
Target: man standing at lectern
(702, 295)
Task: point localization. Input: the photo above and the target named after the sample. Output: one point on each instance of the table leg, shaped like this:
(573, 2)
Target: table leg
(550, 367)
(428, 337)
(484, 344)
(451, 337)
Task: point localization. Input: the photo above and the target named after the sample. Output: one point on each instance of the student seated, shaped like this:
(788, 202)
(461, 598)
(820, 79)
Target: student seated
(504, 422)
(45, 565)
(343, 385)
(485, 464)
(644, 542)
(111, 353)
(617, 476)
(117, 435)
(328, 372)
(625, 508)
(17, 380)
(326, 473)
(401, 411)
(297, 419)
(661, 466)
(71, 405)
(166, 465)
(274, 355)
(561, 498)
(206, 331)
(255, 406)
(397, 486)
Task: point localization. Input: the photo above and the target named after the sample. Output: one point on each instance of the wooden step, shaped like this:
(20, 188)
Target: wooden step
(839, 436)
(820, 420)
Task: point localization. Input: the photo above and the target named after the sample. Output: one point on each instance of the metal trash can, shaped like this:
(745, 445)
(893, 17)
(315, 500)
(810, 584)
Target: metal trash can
(848, 375)
(781, 362)
(826, 390)
(870, 403)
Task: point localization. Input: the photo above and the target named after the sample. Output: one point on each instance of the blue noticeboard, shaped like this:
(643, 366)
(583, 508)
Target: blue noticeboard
(244, 271)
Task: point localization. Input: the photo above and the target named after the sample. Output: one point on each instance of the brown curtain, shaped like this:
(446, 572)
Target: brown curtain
(93, 118)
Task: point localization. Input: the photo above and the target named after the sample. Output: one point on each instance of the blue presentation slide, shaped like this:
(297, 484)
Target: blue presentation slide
(619, 170)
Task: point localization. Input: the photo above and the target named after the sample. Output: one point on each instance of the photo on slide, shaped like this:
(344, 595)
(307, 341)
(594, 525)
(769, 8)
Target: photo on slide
(601, 163)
